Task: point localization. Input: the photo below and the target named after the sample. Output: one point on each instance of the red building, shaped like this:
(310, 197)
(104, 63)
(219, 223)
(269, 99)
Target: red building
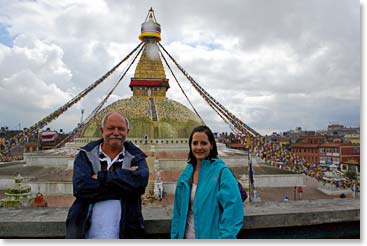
(48, 139)
(317, 149)
(308, 148)
(349, 152)
(350, 157)
(330, 153)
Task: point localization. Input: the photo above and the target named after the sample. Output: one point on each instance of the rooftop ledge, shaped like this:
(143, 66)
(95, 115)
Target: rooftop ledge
(325, 218)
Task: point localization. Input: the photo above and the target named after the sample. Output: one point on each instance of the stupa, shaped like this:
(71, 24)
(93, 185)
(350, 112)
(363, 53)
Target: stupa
(18, 195)
(151, 114)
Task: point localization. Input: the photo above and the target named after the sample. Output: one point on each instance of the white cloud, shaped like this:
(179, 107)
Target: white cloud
(276, 65)
(32, 77)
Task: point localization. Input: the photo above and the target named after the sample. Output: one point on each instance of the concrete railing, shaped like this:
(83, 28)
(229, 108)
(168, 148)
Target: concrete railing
(326, 218)
(286, 180)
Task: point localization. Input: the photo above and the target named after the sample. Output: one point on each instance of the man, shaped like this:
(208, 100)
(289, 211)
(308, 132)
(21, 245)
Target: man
(300, 192)
(110, 175)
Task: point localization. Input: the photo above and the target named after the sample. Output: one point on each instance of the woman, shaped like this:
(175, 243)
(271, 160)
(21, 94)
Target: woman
(204, 206)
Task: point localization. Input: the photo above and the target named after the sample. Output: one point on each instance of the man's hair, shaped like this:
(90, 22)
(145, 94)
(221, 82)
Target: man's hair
(107, 115)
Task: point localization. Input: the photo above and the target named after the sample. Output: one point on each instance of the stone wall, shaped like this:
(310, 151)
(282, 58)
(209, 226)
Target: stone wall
(52, 188)
(288, 180)
(326, 218)
(51, 161)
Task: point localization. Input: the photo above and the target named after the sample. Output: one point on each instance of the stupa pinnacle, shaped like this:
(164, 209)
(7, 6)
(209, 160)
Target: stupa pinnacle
(149, 78)
(150, 29)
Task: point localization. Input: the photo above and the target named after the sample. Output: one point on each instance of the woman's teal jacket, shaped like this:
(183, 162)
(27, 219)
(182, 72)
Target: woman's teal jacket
(218, 213)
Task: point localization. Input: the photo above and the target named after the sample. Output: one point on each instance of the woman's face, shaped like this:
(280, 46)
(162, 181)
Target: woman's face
(200, 145)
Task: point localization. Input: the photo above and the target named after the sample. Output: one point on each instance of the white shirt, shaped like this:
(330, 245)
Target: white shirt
(190, 223)
(108, 159)
(105, 220)
(106, 215)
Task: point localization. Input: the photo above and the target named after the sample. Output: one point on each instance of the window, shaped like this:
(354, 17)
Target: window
(343, 167)
(356, 150)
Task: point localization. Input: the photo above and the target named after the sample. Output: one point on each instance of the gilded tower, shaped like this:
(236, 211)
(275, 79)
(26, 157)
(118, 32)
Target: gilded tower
(150, 79)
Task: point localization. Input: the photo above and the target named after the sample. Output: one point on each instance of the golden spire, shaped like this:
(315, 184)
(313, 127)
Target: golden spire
(149, 78)
(150, 64)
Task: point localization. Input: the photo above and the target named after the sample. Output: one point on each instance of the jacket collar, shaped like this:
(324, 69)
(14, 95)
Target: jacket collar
(187, 174)
(92, 149)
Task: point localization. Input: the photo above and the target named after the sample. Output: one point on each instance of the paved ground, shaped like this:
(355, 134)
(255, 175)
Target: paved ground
(57, 174)
(60, 174)
(36, 172)
(278, 193)
(266, 195)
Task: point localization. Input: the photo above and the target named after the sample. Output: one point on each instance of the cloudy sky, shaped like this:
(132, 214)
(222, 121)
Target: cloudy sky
(275, 64)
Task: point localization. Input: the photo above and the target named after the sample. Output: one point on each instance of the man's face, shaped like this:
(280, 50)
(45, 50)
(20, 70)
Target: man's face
(115, 131)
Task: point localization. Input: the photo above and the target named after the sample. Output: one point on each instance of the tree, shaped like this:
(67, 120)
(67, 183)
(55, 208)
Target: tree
(351, 174)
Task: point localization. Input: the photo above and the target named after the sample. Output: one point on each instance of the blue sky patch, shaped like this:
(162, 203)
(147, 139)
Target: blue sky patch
(5, 38)
(208, 45)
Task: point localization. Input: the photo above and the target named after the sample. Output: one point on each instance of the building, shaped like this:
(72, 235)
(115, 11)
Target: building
(48, 139)
(353, 138)
(282, 140)
(350, 157)
(330, 154)
(340, 130)
(293, 135)
(308, 148)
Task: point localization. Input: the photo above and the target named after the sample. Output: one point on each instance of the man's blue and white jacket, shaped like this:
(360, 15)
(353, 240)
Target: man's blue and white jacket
(123, 184)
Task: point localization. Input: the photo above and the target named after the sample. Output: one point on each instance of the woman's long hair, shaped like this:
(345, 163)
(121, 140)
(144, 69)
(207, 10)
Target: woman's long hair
(213, 153)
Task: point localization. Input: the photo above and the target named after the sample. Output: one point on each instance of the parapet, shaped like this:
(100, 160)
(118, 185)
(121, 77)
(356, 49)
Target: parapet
(324, 218)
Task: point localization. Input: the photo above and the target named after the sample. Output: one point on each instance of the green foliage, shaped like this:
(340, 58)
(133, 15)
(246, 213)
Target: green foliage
(351, 174)
(17, 191)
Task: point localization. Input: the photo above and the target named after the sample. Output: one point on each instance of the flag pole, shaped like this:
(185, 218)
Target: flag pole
(249, 175)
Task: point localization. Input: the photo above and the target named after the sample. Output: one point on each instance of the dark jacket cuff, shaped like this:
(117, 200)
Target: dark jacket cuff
(102, 176)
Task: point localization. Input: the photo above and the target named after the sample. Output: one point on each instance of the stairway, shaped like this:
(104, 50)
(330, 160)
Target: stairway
(148, 196)
(153, 109)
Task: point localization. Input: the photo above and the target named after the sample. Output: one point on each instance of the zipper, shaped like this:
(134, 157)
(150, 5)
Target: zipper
(187, 186)
(87, 220)
(196, 192)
